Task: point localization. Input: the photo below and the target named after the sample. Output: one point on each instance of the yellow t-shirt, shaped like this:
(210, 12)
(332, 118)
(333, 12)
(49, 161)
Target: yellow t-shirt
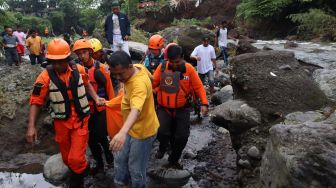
(34, 45)
(138, 94)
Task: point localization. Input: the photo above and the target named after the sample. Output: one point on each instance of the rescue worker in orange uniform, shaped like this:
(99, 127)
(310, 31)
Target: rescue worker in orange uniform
(155, 56)
(173, 83)
(99, 77)
(66, 84)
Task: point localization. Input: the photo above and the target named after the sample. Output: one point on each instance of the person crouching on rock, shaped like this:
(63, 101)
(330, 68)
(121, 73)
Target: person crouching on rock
(156, 55)
(99, 77)
(173, 83)
(67, 85)
(133, 143)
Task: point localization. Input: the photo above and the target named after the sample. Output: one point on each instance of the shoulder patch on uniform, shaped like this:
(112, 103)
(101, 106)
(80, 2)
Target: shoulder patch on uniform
(37, 88)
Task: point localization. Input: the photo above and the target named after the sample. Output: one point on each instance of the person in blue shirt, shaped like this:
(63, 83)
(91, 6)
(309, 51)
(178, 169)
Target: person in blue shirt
(155, 54)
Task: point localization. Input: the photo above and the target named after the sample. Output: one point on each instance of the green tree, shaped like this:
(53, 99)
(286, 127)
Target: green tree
(57, 20)
(88, 19)
(71, 13)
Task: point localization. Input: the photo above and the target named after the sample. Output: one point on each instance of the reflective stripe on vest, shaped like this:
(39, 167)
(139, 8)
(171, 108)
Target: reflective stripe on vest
(58, 94)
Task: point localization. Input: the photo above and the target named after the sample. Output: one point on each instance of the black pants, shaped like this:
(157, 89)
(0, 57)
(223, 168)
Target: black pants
(33, 58)
(174, 128)
(98, 138)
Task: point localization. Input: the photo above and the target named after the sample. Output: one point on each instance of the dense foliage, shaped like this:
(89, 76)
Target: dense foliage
(311, 17)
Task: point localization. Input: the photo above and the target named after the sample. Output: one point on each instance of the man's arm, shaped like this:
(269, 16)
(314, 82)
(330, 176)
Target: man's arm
(89, 89)
(194, 56)
(31, 134)
(119, 139)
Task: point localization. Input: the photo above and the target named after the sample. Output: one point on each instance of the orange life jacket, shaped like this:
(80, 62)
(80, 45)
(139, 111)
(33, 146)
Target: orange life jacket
(98, 82)
(174, 90)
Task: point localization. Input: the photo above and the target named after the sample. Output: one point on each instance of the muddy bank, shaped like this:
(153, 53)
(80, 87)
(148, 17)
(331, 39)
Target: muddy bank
(217, 10)
(15, 88)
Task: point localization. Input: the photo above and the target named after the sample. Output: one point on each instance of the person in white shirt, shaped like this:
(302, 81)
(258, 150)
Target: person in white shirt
(206, 61)
(221, 41)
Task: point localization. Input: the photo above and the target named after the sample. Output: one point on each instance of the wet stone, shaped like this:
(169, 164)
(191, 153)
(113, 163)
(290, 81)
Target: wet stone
(253, 152)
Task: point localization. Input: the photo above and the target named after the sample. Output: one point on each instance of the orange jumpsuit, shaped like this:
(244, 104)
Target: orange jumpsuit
(71, 134)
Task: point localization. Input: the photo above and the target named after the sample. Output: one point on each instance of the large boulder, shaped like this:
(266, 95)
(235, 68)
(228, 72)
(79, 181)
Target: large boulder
(301, 155)
(244, 47)
(260, 79)
(188, 37)
(236, 116)
(54, 169)
(225, 94)
(326, 78)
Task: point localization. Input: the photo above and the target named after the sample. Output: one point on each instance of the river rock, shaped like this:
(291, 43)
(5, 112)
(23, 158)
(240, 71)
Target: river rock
(245, 47)
(170, 176)
(300, 156)
(253, 152)
(221, 96)
(326, 79)
(287, 92)
(236, 116)
(290, 44)
(188, 37)
(54, 169)
(301, 117)
(244, 163)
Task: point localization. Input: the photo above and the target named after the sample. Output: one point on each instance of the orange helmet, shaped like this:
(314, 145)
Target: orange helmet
(155, 42)
(58, 49)
(166, 50)
(82, 44)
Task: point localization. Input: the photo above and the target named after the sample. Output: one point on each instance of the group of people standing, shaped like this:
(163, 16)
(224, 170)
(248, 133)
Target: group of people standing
(151, 102)
(15, 42)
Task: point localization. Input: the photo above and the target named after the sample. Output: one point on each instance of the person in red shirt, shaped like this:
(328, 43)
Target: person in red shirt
(66, 84)
(99, 77)
(174, 81)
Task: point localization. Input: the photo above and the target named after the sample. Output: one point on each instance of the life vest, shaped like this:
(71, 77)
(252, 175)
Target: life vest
(171, 93)
(98, 81)
(58, 94)
(154, 62)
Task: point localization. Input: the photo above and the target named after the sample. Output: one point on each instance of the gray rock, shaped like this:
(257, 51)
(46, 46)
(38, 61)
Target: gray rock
(290, 44)
(289, 91)
(285, 67)
(223, 131)
(326, 79)
(300, 156)
(187, 36)
(11, 87)
(244, 163)
(253, 152)
(189, 154)
(54, 169)
(301, 117)
(227, 88)
(267, 48)
(220, 97)
(245, 47)
(170, 176)
(236, 116)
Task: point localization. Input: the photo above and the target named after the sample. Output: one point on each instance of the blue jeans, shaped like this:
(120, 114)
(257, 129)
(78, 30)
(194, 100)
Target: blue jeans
(224, 54)
(211, 78)
(131, 162)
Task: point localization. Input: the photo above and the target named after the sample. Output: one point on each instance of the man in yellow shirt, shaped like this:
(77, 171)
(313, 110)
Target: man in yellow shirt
(34, 45)
(133, 143)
